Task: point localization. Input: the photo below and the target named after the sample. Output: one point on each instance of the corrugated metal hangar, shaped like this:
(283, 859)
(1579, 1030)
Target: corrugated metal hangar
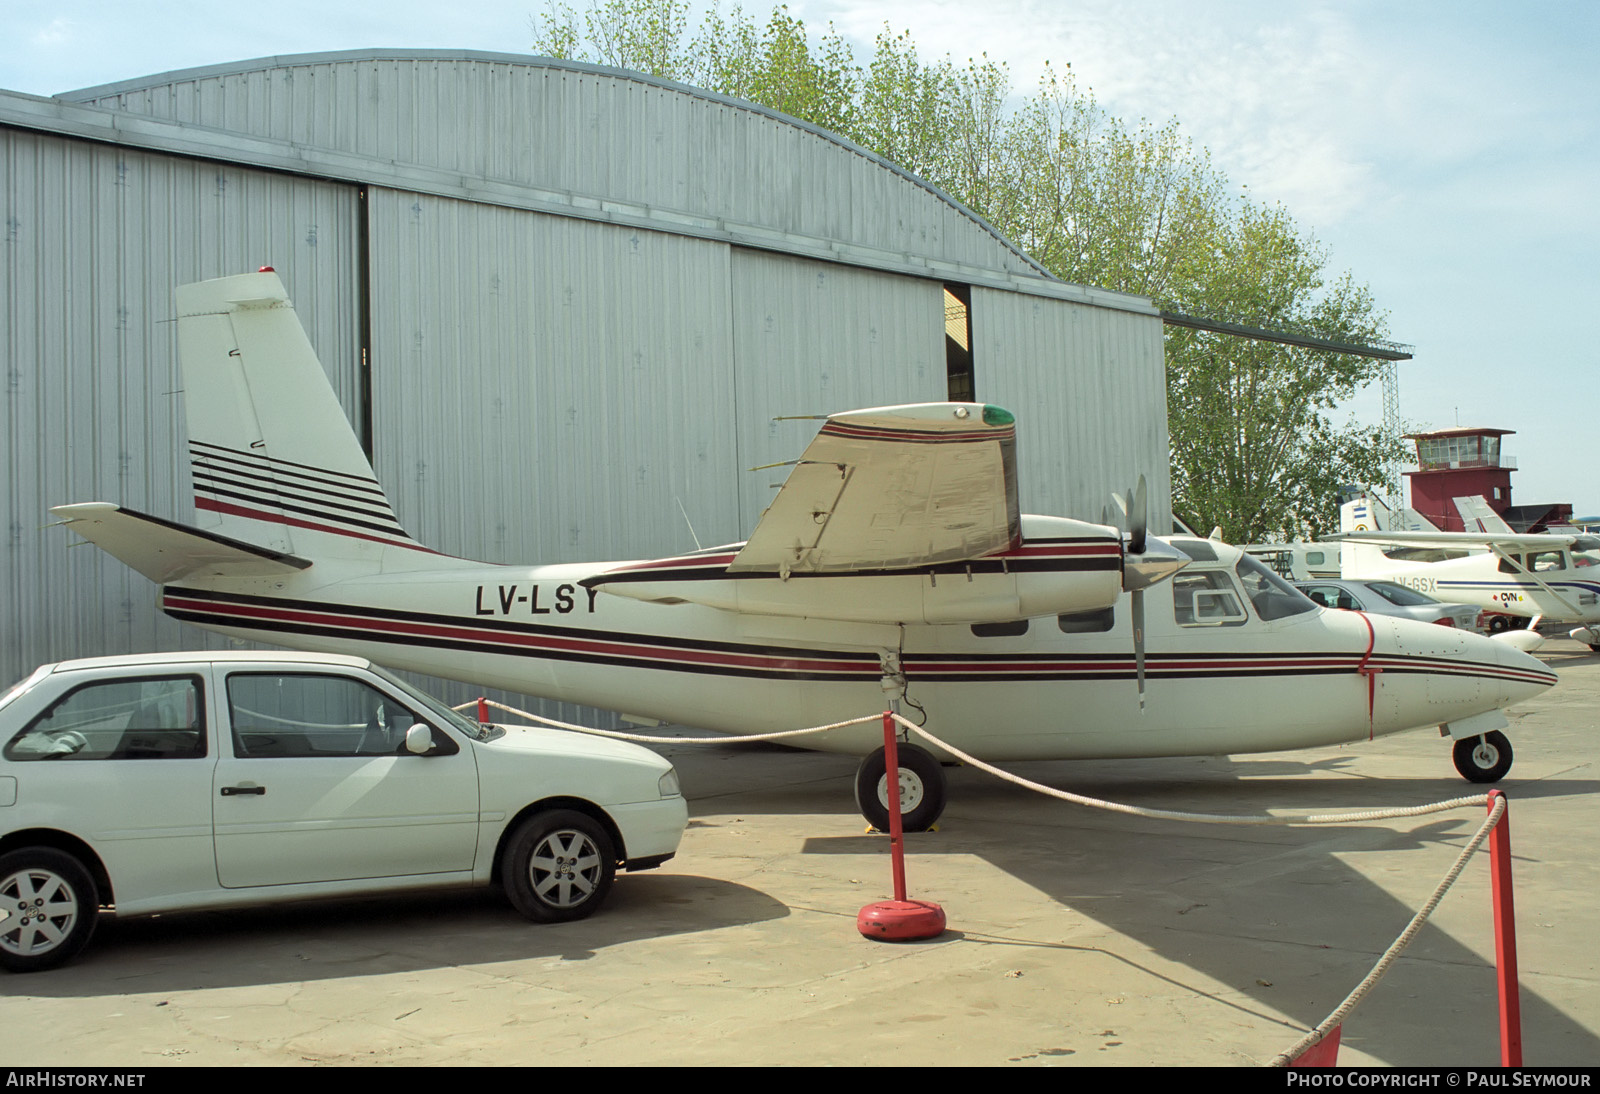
(559, 302)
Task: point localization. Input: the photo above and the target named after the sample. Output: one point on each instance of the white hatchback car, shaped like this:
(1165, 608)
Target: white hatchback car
(162, 782)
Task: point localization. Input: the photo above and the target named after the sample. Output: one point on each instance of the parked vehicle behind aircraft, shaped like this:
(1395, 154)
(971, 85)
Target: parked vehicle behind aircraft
(1388, 598)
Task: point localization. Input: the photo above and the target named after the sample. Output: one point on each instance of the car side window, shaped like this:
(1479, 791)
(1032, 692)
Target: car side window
(142, 718)
(277, 715)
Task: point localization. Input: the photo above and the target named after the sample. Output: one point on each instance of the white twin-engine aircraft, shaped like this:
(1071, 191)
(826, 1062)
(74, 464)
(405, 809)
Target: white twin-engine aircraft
(892, 567)
(1545, 577)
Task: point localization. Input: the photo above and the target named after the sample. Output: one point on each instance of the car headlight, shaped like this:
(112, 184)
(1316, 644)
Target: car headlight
(668, 786)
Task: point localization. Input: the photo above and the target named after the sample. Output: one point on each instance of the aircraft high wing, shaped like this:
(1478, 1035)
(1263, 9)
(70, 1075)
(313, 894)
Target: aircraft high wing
(892, 566)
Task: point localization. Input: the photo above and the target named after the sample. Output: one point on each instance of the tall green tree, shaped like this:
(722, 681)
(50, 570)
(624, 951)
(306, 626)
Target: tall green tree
(1132, 207)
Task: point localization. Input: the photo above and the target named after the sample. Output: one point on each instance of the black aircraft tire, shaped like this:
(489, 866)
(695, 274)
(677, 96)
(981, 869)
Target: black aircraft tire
(921, 789)
(1484, 759)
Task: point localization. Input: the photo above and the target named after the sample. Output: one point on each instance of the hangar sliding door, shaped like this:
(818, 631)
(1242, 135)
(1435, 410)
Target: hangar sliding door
(817, 338)
(1088, 387)
(547, 389)
(97, 237)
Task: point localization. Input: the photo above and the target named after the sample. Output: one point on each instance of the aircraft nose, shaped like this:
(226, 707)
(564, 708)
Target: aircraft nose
(1462, 673)
(1522, 675)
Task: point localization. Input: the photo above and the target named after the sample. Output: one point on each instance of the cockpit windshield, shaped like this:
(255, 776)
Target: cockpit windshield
(1270, 595)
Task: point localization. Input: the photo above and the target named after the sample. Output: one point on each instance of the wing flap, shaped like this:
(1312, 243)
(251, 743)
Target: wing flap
(166, 552)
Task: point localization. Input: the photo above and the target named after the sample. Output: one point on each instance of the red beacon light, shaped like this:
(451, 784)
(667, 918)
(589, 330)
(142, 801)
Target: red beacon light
(266, 269)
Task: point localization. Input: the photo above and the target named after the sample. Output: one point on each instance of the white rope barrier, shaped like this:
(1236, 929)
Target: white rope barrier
(1343, 1010)
(1048, 791)
(1311, 1038)
(640, 738)
(1202, 818)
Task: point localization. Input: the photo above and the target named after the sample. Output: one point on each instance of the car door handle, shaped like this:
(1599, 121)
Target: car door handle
(229, 791)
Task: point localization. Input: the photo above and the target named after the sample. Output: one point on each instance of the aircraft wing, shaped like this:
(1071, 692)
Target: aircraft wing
(163, 551)
(893, 488)
(1510, 541)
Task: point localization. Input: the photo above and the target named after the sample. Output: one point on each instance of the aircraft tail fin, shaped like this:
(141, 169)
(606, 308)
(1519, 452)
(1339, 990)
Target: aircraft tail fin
(275, 461)
(1363, 513)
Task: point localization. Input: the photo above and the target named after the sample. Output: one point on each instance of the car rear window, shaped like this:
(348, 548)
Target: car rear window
(138, 718)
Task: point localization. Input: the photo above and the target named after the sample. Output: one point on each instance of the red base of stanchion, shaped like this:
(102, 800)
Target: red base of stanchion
(1325, 1053)
(901, 920)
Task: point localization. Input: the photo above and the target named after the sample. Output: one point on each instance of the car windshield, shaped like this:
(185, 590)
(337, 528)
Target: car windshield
(1270, 595)
(473, 728)
(1399, 594)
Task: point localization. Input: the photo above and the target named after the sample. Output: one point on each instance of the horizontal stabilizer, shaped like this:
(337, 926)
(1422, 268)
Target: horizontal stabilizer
(165, 552)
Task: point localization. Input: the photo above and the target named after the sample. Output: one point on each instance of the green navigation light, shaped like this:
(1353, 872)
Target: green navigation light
(997, 415)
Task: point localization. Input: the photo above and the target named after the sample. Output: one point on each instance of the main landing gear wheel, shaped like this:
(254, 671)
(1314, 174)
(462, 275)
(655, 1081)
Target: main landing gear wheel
(558, 866)
(921, 789)
(1484, 759)
(48, 907)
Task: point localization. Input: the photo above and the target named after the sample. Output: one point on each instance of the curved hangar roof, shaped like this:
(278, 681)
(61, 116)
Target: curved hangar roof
(581, 140)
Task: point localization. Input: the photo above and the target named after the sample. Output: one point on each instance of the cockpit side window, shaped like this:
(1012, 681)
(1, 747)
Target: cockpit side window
(1270, 595)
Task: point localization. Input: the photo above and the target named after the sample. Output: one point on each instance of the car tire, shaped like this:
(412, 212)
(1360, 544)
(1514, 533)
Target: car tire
(49, 904)
(921, 789)
(1484, 759)
(558, 866)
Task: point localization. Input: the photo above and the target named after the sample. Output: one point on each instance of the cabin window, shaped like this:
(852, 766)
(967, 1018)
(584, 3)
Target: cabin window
(1008, 629)
(1511, 564)
(1315, 558)
(1546, 560)
(1087, 622)
(1206, 598)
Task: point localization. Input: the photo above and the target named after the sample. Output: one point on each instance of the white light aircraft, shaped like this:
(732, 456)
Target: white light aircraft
(1539, 577)
(892, 567)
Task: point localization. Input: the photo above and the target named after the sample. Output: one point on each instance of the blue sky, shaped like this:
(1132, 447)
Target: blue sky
(1443, 151)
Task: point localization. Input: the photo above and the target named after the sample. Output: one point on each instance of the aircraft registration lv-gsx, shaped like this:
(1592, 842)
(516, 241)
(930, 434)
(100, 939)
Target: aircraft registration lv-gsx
(1524, 577)
(892, 566)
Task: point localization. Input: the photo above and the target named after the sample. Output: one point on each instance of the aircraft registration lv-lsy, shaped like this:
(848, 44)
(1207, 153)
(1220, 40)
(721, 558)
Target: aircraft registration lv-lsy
(892, 566)
(1526, 578)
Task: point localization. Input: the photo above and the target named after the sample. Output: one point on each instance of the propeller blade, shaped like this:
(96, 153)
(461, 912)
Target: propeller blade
(1139, 518)
(1138, 643)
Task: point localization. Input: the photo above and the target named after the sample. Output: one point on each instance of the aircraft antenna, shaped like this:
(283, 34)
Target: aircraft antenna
(689, 522)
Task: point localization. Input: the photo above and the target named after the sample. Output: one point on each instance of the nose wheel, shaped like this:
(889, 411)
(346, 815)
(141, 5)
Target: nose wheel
(1484, 759)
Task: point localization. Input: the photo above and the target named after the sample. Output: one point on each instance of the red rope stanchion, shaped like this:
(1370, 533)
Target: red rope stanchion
(898, 920)
(483, 709)
(1505, 936)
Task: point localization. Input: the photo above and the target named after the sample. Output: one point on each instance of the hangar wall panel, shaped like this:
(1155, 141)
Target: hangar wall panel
(817, 338)
(95, 240)
(548, 389)
(578, 129)
(1088, 386)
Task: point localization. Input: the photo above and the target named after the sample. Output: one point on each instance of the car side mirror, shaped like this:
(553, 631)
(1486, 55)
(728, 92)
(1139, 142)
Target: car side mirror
(419, 740)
